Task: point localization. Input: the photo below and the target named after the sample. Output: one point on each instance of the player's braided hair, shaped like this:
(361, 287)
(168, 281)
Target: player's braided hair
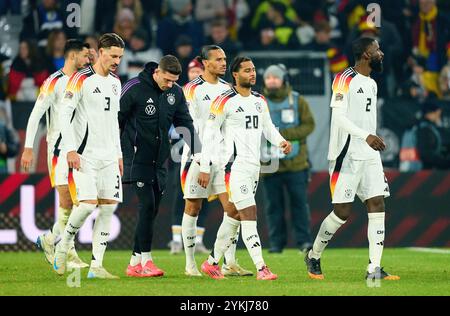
(236, 65)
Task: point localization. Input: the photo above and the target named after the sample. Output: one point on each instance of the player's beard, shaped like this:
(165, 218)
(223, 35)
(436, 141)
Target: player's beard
(246, 85)
(376, 65)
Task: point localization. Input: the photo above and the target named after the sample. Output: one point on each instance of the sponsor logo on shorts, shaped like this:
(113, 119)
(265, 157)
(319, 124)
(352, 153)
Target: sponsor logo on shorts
(244, 189)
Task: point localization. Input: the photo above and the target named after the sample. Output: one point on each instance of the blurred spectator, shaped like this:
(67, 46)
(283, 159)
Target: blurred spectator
(444, 78)
(9, 142)
(3, 58)
(432, 153)
(41, 20)
(27, 73)
(137, 55)
(125, 25)
(220, 37)
(260, 16)
(322, 43)
(430, 35)
(291, 114)
(179, 22)
(265, 41)
(207, 11)
(195, 68)
(237, 11)
(415, 87)
(284, 29)
(13, 6)
(55, 50)
(92, 40)
(184, 53)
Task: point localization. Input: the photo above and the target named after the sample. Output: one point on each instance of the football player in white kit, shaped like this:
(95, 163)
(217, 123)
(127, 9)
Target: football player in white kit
(240, 116)
(76, 55)
(94, 154)
(354, 156)
(200, 93)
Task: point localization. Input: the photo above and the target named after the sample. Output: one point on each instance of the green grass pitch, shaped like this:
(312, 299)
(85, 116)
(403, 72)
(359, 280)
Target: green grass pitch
(421, 274)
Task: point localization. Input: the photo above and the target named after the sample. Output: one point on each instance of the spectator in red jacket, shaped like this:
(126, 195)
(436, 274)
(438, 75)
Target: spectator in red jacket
(27, 73)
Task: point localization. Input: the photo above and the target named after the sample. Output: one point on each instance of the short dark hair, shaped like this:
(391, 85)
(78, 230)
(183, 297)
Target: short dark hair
(359, 46)
(74, 45)
(236, 65)
(109, 40)
(204, 54)
(170, 64)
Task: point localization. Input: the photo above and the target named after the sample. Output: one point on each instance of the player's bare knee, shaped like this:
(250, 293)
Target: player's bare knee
(65, 203)
(342, 211)
(192, 207)
(248, 214)
(375, 205)
(232, 212)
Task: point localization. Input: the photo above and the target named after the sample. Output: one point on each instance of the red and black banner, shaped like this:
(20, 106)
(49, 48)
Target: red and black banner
(417, 213)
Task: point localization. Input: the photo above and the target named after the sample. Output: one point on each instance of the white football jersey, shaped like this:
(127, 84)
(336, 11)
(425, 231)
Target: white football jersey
(94, 132)
(199, 95)
(357, 94)
(48, 102)
(242, 121)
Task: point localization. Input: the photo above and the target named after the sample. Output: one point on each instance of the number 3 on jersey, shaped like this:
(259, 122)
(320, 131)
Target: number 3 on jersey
(108, 103)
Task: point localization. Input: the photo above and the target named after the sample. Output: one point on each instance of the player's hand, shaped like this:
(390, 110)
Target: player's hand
(73, 160)
(93, 56)
(27, 159)
(286, 147)
(376, 142)
(203, 179)
(121, 166)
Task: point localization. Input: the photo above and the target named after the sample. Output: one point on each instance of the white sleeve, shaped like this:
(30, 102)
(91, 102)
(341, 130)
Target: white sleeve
(342, 122)
(43, 102)
(270, 132)
(117, 129)
(72, 97)
(211, 132)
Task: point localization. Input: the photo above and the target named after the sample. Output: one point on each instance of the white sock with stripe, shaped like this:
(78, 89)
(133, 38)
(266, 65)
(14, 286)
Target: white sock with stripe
(189, 231)
(375, 234)
(327, 230)
(252, 242)
(101, 231)
(225, 237)
(76, 219)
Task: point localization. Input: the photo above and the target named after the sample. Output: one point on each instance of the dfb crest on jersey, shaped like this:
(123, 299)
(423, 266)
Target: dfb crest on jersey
(150, 109)
(374, 91)
(244, 189)
(171, 98)
(114, 89)
(259, 107)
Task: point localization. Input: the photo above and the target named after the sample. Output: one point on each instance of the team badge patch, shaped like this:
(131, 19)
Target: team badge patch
(150, 109)
(212, 117)
(258, 107)
(171, 99)
(114, 88)
(244, 189)
(348, 193)
(339, 97)
(68, 95)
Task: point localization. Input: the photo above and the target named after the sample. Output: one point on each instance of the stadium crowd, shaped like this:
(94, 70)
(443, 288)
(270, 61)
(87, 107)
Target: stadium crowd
(414, 35)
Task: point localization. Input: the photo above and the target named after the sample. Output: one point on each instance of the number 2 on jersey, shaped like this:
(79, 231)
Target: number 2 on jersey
(369, 103)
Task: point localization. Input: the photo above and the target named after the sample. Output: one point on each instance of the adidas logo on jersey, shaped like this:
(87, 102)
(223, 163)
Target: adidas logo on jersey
(150, 100)
(240, 110)
(97, 90)
(360, 90)
(206, 98)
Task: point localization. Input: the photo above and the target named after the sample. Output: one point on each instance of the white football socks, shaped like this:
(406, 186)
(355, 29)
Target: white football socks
(375, 234)
(328, 228)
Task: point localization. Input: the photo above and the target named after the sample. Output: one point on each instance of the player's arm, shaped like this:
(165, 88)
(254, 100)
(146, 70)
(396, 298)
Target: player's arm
(182, 118)
(271, 133)
(43, 102)
(72, 97)
(340, 104)
(117, 137)
(211, 132)
(191, 101)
